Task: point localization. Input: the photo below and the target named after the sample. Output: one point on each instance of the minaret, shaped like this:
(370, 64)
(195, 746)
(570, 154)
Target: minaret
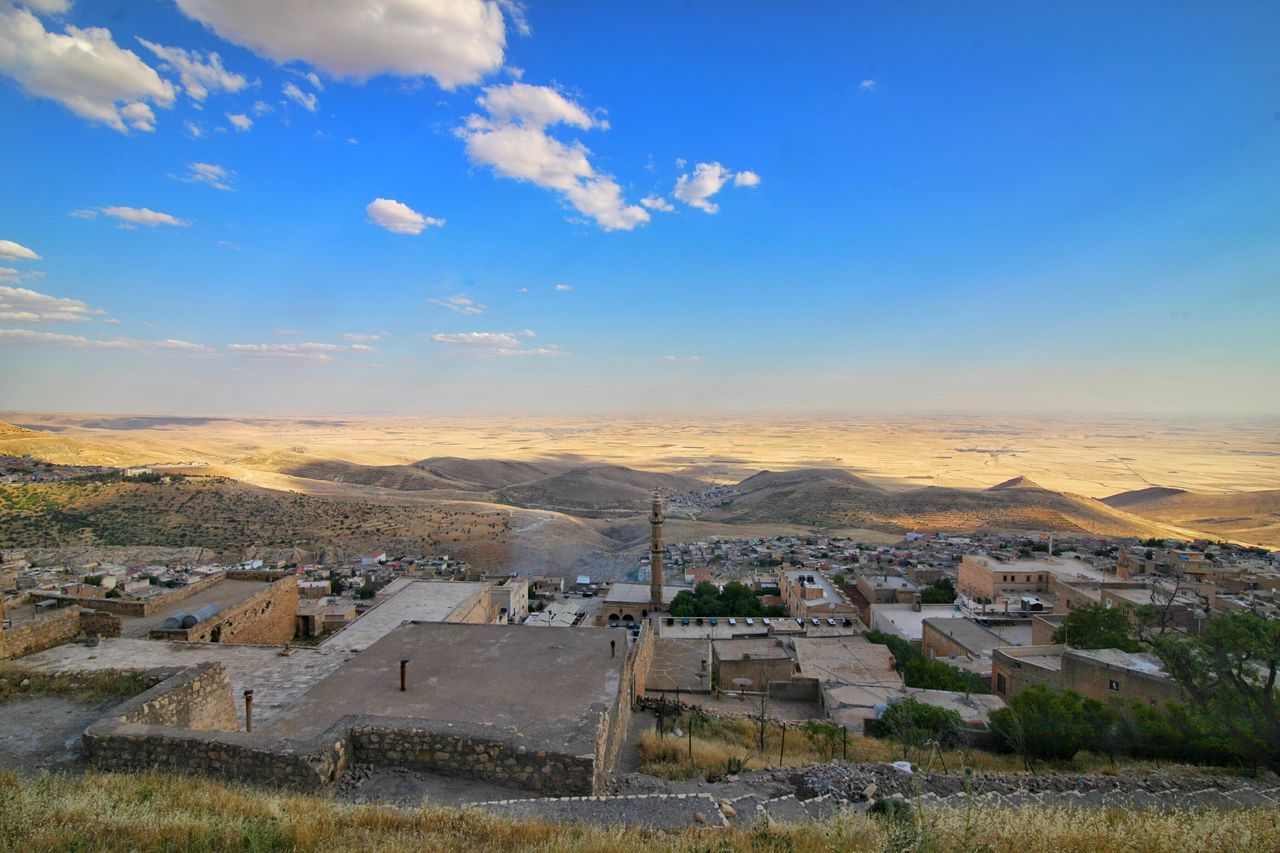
(655, 554)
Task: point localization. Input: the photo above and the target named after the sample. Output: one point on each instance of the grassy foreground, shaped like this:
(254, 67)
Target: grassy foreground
(159, 812)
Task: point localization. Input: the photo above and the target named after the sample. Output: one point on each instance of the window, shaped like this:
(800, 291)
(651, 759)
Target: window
(1114, 685)
(1001, 685)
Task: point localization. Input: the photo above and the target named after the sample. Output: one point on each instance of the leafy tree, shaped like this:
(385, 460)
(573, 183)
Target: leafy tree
(942, 592)
(914, 725)
(1096, 627)
(1229, 670)
(736, 599)
(919, 671)
(1042, 723)
(1177, 732)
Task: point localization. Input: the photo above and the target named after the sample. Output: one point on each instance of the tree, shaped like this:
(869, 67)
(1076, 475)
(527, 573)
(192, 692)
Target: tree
(1042, 723)
(1096, 627)
(1229, 671)
(736, 599)
(827, 737)
(942, 592)
(916, 725)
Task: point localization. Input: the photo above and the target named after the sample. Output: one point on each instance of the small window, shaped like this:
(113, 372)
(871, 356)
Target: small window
(1001, 685)
(1114, 685)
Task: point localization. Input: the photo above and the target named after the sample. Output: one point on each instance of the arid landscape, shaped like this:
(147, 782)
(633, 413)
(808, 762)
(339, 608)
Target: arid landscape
(559, 494)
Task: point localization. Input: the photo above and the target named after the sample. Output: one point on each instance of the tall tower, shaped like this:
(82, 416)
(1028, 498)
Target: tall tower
(655, 554)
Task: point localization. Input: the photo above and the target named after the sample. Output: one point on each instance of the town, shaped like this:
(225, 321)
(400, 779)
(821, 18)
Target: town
(925, 645)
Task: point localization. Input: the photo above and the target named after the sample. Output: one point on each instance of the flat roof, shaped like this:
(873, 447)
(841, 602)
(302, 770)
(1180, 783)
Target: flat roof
(421, 600)
(904, 619)
(1142, 662)
(829, 593)
(758, 648)
(847, 660)
(638, 593)
(550, 686)
(225, 593)
(1064, 570)
(968, 634)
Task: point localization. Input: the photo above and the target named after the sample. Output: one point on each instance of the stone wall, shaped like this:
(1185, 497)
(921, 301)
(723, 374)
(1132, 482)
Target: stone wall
(42, 632)
(99, 622)
(145, 733)
(640, 660)
(478, 609)
(124, 607)
(197, 699)
(268, 618)
(469, 750)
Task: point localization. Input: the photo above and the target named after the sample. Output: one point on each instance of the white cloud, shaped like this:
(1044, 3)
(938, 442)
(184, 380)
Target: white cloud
(193, 129)
(314, 79)
(682, 358)
(82, 69)
(513, 141)
(358, 337)
(456, 43)
(308, 351)
(12, 251)
(308, 100)
(139, 116)
(54, 340)
(707, 180)
(522, 290)
(19, 305)
(399, 218)
(133, 216)
(286, 333)
(867, 84)
(492, 344)
(657, 202)
(198, 73)
(261, 108)
(563, 288)
(49, 7)
(207, 173)
(240, 121)
(460, 303)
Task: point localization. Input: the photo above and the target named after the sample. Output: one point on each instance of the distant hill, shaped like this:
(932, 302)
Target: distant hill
(1142, 497)
(1018, 482)
(596, 489)
(60, 450)
(482, 474)
(833, 498)
(1241, 516)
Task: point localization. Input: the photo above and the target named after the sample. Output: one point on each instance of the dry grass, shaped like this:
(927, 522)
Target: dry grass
(84, 685)
(717, 741)
(157, 812)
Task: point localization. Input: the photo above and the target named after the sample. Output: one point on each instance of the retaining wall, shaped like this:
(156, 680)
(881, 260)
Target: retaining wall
(268, 617)
(197, 699)
(54, 629)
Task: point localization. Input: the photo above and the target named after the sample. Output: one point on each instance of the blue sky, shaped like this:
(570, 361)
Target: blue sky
(472, 207)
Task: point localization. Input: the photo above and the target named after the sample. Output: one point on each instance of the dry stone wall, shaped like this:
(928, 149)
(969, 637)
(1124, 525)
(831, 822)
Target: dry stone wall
(267, 618)
(54, 629)
(198, 699)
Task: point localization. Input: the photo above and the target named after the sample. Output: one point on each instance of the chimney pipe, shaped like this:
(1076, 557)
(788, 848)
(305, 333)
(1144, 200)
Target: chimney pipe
(404, 664)
(248, 711)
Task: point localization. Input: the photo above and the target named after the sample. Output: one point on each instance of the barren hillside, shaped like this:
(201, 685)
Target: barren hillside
(1242, 516)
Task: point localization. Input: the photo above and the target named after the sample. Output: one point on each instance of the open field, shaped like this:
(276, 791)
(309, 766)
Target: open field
(544, 494)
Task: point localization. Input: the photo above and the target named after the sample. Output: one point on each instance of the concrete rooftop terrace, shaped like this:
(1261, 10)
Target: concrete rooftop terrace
(226, 594)
(548, 685)
(423, 601)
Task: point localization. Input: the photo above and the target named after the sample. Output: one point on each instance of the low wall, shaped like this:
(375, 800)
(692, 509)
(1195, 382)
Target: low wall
(469, 750)
(125, 607)
(99, 622)
(197, 699)
(268, 618)
(142, 734)
(42, 632)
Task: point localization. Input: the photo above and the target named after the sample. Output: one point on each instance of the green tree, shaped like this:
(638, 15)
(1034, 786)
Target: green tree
(824, 736)
(1096, 627)
(942, 592)
(1042, 723)
(1229, 671)
(914, 725)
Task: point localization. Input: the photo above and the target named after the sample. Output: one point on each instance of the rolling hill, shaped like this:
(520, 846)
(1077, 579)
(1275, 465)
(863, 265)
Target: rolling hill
(596, 490)
(1252, 517)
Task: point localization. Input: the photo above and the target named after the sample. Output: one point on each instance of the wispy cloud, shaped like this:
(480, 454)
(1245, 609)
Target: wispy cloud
(306, 100)
(198, 73)
(362, 338)
(12, 251)
(563, 288)
(682, 358)
(20, 305)
(707, 179)
(240, 121)
(54, 340)
(212, 174)
(304, 351)
(493, 344)
(460, 303)
(131, 217)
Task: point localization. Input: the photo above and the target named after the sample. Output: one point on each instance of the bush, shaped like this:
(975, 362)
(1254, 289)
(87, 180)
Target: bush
(736, 599)
(1045, 724)
(919, 671)
(914, 724)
